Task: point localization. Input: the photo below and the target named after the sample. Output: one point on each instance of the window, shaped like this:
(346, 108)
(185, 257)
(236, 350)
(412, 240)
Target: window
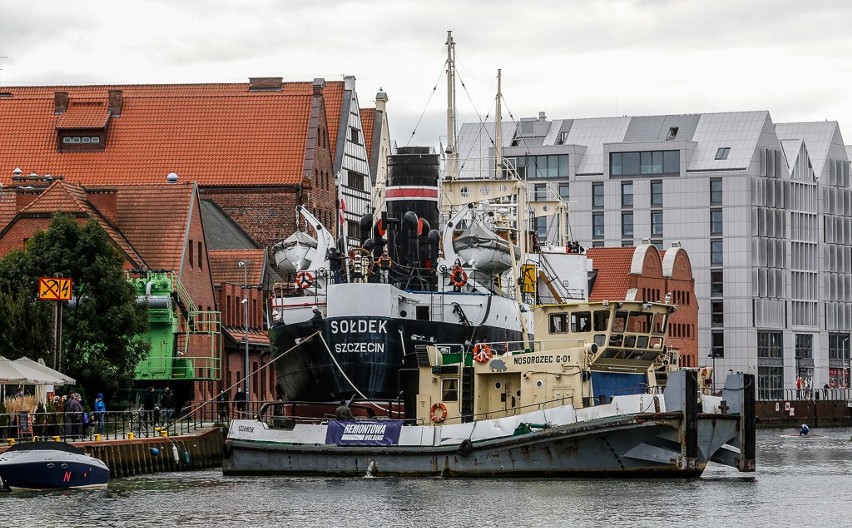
(200, 260)
(563, 191)
(644, 163)
(656, 223)
(657, 193)
(357, 181)
(716, 283)
(540, 192)
(191, 262)
(581, 321)
(770, 382)
(717, 315)
(717, 344)
(626, 225)
(541, 227)
(716, 222)
(716, 252)
(597, 195)
(672, 133)
(354, 135)
(597, 225)
(838, 346)
(548, 166)
(450, 389)
(722, 153)
(626, 194)
(558, 323)
(770, 345)
(716, 191)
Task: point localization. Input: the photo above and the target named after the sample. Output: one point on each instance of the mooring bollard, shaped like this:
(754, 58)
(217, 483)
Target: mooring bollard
(131, 436)
(97, 437)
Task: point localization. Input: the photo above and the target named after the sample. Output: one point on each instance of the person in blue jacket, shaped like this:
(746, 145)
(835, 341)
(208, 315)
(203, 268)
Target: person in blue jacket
(100, 412)
(804, 430)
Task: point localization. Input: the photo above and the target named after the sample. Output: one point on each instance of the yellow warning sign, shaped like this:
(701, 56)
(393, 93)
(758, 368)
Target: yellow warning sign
(528, 278)
(54, 289)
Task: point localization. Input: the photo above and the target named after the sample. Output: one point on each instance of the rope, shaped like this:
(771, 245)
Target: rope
(242, 380)
(434, 89)
(361, 394)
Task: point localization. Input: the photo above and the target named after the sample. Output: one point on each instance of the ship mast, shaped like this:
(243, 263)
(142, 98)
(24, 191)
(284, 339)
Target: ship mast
(452, 151)
(498, 140)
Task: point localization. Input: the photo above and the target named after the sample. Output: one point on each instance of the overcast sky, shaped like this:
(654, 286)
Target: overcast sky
(590, 58)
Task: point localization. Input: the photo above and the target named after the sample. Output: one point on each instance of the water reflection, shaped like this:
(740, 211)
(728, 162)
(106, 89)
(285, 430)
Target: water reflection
(799, 481)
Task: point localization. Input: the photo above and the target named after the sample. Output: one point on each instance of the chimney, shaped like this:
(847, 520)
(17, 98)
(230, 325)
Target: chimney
(381, 100)
(60, 102)
(116, 102)
(318, 84)
(104, 200)
(25, 196)
(265, 84)
(349, 82)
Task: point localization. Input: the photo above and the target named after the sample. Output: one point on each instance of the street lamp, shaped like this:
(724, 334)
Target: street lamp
(244, 264)
(712, 357)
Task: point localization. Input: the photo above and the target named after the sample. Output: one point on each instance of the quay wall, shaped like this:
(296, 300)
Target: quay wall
(815, 413)
(189, 452)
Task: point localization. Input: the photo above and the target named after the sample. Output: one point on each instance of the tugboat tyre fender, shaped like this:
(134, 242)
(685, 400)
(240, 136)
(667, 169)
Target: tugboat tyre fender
(466, 448)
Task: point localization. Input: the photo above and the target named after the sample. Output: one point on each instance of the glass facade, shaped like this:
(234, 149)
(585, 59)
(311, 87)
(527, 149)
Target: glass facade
(644, 163)
(549, 166)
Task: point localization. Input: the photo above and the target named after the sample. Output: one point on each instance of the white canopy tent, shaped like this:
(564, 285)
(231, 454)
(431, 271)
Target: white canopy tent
(41, 367)
(22, 373)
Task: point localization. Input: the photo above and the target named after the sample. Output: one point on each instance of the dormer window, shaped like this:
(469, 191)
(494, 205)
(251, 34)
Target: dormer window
(722, 153)
(81, 126)
(672, 133)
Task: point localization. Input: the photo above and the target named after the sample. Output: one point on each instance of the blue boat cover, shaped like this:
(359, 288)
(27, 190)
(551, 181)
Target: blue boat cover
(611, 384)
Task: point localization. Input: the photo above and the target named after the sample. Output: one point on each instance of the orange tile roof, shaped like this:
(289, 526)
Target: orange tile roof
(93, 115)
(367, 118)
(224, 267)
(613, 267)
(71, 198)
(8, 206)
(256, 337)
(213, 134)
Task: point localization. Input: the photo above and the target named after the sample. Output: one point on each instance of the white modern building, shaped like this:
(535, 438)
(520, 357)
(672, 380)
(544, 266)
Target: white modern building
(763, 209)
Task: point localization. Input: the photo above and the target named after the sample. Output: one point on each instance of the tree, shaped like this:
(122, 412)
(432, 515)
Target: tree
(102, 324)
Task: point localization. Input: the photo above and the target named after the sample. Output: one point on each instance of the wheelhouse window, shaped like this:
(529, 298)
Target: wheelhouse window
(601, 320)
(450, 389)
(581, 321)
(558, 323)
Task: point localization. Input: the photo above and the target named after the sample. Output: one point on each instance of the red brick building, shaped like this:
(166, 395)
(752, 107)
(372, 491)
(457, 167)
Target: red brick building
(255, 150)
(643, 273)
(155, 227)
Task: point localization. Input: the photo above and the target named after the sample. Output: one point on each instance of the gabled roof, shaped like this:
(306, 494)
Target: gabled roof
(220, 230)
(224, 265)
(213, 134)
(613, 277)
(71, 198)
(155, 219)
(822, 139)
(333, 94)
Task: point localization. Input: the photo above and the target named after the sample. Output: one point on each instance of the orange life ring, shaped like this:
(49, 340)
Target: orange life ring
(482, 353)
(458, 277)
(304, 279)
(438, 417)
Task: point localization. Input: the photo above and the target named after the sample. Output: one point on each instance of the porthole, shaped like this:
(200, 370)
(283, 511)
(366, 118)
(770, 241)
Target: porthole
(498, 385)
(50, 465)
(403, 313)
(539, 384)
(518, 393)
(64, 465)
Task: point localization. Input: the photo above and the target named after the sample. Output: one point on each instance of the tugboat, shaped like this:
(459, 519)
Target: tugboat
(50, 465)
(565, 407)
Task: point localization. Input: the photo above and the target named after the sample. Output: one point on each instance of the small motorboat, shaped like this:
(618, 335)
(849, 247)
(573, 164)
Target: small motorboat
(50, 465)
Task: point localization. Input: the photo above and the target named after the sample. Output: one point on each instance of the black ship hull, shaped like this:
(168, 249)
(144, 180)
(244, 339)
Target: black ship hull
(372, 352)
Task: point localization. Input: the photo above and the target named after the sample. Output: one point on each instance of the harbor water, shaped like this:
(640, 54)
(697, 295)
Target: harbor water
(799, 482)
